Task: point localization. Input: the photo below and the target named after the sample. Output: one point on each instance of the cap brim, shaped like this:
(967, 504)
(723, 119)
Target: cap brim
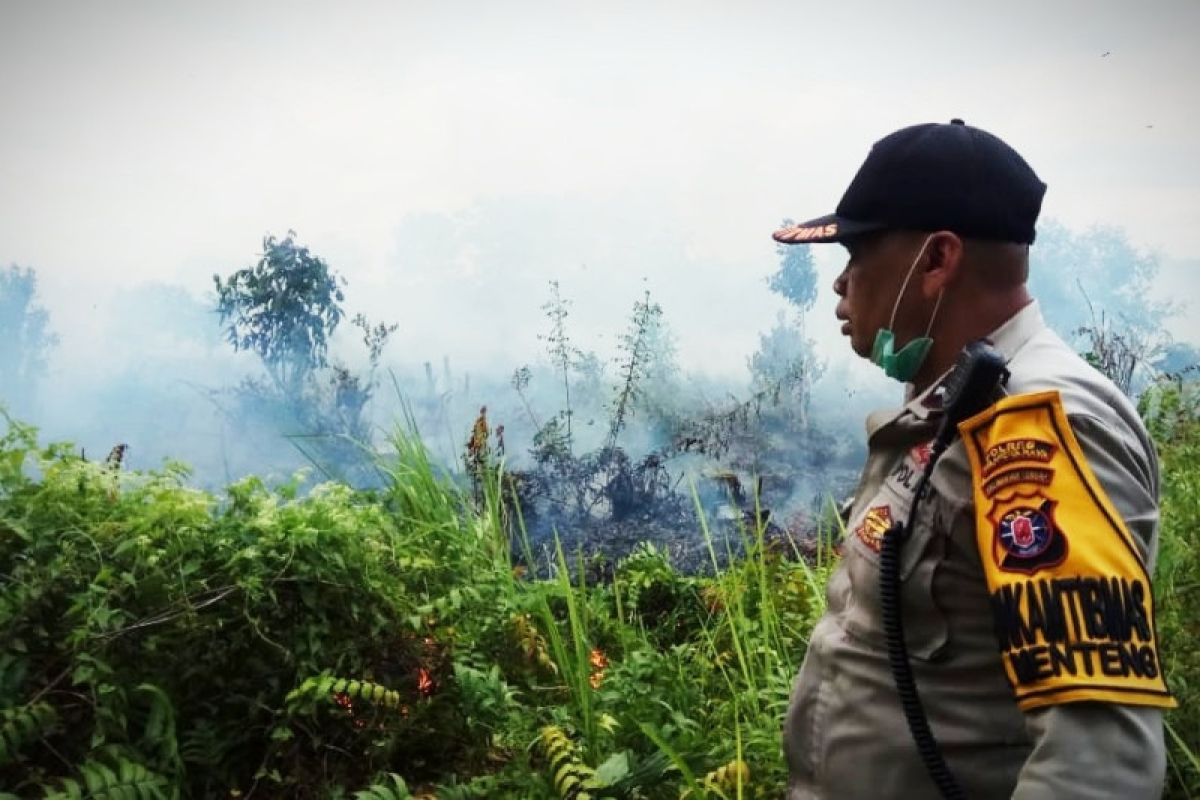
(829, 228)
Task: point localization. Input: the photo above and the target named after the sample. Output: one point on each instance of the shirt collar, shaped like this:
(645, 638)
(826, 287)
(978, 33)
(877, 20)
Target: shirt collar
(1008, 339)
(1019, 329)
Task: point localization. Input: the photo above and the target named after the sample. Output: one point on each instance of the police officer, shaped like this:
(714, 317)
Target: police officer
(1024, 579)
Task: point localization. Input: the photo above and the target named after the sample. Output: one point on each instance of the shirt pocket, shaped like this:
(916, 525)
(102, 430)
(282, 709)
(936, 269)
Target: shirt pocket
(926, 628)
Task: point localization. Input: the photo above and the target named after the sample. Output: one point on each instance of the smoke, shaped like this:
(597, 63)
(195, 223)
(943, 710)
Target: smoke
(715, 406)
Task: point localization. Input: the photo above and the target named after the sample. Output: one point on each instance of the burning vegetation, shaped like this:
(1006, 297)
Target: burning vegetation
(654, 467)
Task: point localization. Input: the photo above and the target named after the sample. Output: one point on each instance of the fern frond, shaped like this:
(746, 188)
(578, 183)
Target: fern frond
(394, 788)
(70, 790)
(127, 781)
(206, 745)
(21, 725)
(723, 779)
(329, 687)
(573, 779)
(159, 735)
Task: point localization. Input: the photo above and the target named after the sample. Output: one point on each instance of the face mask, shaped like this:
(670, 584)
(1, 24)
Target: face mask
(904, 365)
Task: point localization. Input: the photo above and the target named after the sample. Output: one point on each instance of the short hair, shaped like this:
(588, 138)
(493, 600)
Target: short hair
(996, 265)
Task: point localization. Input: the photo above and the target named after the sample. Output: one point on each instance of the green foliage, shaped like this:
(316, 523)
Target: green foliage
(122, 780)
(158, 641)
(19, 726)
(394, 788)
(284, 308)
(646, 354)
(573, 778)
(175, 623)
(343, 691)
(1171, 409)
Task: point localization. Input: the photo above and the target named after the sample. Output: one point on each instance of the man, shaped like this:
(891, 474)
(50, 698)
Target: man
(1024, 579)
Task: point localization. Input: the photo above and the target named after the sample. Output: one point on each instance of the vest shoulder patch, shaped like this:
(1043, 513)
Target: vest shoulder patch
(1071, 599)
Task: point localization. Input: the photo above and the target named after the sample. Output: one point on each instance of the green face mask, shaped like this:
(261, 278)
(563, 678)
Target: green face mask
(904, 364)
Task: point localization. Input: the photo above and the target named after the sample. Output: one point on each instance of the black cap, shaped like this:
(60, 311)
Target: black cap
(934, 177)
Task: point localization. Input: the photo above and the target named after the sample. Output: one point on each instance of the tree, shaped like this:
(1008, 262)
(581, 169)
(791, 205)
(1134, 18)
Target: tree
(25, 337)
(284, 309)
(786, 363)
(785, 357)
(796, 278)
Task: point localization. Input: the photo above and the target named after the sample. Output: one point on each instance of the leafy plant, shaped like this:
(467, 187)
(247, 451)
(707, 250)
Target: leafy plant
(1171, 408)
(19, 726)
(635, 361)
(284, 309)
(561, 352)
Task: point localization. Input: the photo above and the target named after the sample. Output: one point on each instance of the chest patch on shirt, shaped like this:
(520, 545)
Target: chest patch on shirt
(1071, 601)
(870, 531)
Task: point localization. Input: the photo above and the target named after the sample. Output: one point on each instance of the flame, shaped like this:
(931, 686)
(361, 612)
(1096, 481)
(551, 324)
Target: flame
(424, 682)
(599, 663)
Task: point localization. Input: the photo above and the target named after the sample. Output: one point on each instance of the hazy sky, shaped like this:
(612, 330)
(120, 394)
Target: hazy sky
(450, 158)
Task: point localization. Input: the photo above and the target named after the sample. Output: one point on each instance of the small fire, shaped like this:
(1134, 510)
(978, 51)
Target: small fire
(425, 683)
(599, 663)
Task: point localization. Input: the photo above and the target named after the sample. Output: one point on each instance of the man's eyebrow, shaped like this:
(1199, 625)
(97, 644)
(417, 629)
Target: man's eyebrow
(854, 246)
(857, 244)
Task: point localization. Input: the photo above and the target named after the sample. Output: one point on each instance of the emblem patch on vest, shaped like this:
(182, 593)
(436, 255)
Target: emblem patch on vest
(1071, 601)
(1026, 538)
(870, 531)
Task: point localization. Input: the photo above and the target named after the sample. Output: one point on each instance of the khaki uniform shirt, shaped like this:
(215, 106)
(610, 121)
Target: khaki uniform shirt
(845, 735)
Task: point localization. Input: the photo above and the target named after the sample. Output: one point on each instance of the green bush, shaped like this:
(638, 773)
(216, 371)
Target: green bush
(1172, 412)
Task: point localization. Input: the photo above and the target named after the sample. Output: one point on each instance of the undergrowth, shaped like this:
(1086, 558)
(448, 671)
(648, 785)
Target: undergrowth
(160, 641)
(1172, 412)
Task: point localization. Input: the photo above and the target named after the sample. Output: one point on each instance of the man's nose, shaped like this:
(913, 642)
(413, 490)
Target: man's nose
(839, 284)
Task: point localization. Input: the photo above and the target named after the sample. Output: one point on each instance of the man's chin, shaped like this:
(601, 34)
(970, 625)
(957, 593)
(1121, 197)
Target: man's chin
(861, 349)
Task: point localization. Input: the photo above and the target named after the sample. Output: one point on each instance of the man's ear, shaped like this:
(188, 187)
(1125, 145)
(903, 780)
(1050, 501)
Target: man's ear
(943, 263)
